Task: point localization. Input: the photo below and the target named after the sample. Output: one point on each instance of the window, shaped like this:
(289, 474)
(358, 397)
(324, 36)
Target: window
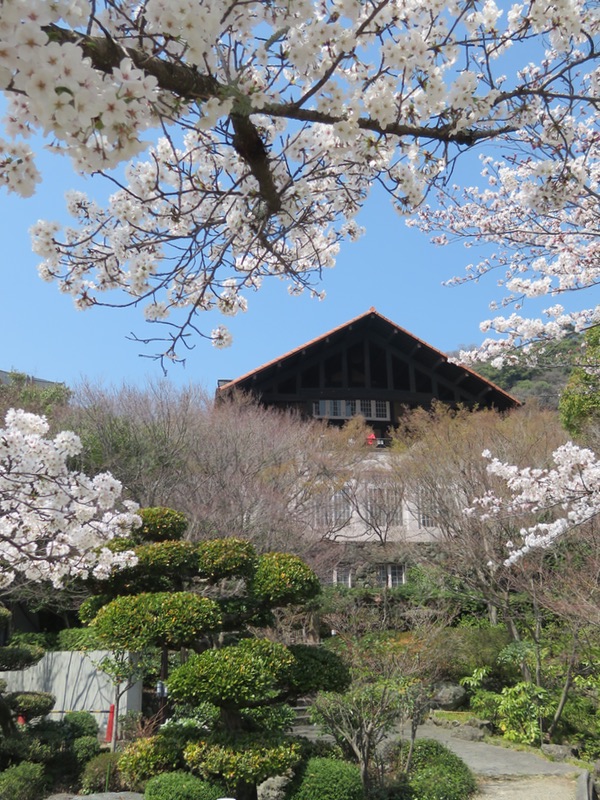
(333, 511)
(342, 575)
(390, 575)
(426, 509)
(345, 409)
(383, 505)
(381, 409)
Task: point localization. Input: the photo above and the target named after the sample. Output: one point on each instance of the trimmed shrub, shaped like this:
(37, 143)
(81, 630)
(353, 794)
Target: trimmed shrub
(22, 782)
(282, 579)
(160, 524)
(326, 779)
(80, 723)
(145, 758)
(182, 786)
(30, 704)
(85, 748)
(76, 639)
(102, 774)
(172, 619)
(436, 773)
(251, 759)
(19, 657)
(223, 558)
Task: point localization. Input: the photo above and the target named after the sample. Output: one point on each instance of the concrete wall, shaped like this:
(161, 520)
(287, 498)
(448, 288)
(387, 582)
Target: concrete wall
(77, 684)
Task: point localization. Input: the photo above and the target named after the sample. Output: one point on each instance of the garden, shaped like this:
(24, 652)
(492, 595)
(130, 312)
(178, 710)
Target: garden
(211, 621)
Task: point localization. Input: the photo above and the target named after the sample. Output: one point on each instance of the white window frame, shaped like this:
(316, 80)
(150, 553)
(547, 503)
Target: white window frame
(342, 575)
(391, 575)
(346, 409)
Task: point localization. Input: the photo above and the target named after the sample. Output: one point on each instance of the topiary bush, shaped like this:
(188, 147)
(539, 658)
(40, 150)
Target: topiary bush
(222, 558)
(80, 723)
(171, 619)
(145, 758)
(249, 759)
(30, 704)
(326, 779)
(436, 773)
(160, 524)
(182, 786)
(12, 658)
(102, 774)
(282, 579)
(22, 782)
(85, 748)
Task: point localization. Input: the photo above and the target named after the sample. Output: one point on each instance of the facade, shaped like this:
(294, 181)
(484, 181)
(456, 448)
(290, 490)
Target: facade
(373, 368)
(368, 366)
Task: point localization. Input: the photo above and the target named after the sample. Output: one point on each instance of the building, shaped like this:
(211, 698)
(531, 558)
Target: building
(368, 366)
(374, 368)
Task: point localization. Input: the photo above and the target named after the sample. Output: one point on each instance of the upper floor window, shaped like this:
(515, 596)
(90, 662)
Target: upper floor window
(426, 509)
(383, 505)
(333, 511)
(345, 409)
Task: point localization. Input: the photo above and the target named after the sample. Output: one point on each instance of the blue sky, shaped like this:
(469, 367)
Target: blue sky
(393, 268)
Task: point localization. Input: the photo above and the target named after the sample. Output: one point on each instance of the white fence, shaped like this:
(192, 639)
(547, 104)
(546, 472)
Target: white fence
(76, 682)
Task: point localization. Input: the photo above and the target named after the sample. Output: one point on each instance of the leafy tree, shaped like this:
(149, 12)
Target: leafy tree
(580, 401)
(224, 589)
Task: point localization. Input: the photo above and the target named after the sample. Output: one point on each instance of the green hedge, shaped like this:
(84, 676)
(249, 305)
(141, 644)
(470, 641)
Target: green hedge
(182, 786)
(436, 773)
(102, 774)
(283, 579)
(22, 782)
(326, 779)
(30, 704)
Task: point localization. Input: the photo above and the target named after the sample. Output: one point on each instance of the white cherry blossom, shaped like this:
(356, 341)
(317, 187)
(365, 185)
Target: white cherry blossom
(245, 137)
(55, 523)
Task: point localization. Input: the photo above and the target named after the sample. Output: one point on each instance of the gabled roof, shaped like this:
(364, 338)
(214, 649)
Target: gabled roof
(372, 319)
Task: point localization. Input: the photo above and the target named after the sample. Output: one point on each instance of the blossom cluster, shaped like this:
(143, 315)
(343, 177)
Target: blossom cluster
(542, 216)
(55, 523)
(276, 119)
(563, 497)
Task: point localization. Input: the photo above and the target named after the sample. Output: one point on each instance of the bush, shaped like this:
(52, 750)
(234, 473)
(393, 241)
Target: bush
(102, 774)
(326, 779)
(436, 773)
(22, 782)
(12, 658)
(30, 704)
(182, 786)
(173, 619)
(80, 723)
(85, 748)
(249, 758)
(145, 758)
(160, 524)
(77, 639)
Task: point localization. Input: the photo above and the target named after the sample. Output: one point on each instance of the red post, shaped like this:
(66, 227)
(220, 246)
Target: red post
(110, 724)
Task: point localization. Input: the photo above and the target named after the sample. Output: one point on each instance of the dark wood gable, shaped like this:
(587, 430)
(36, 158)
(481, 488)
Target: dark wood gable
(368, 366)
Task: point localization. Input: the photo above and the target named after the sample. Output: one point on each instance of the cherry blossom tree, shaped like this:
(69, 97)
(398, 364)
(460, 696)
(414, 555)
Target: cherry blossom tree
(54, 523)
(242, 138)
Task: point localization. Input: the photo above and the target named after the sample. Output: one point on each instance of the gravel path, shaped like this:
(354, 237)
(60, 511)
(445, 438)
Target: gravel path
(509, 774)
